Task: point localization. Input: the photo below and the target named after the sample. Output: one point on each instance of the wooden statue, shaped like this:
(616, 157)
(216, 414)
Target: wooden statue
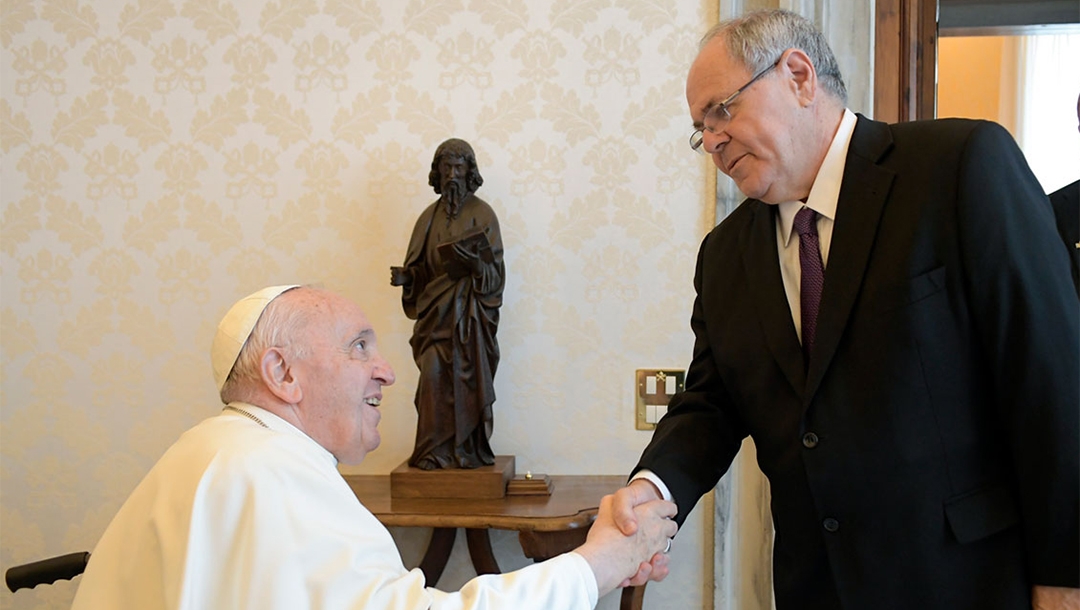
(452, 283)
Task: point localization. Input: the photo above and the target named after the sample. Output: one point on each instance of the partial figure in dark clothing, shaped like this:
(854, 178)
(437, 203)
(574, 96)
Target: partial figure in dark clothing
(1066, 202)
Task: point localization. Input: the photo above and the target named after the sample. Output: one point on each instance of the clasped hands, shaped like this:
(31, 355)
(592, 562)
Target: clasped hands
(628, 542)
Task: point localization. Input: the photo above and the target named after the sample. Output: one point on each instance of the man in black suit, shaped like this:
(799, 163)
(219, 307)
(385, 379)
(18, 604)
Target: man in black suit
(920, 428)
(1066, 202)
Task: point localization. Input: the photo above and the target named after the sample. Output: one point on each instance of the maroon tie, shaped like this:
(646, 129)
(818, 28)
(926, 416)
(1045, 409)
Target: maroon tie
(813, 275)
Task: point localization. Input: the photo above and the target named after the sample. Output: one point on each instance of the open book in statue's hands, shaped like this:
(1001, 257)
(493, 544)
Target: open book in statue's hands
(465, 255)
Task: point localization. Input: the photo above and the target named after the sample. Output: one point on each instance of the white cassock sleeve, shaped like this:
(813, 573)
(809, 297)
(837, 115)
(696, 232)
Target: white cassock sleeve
(274, 526)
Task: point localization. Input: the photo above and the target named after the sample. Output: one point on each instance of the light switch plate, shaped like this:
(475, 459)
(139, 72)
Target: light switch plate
(655, 387)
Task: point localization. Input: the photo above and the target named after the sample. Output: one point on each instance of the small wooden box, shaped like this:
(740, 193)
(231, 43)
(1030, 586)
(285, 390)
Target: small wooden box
(482, 482)
(530, 485)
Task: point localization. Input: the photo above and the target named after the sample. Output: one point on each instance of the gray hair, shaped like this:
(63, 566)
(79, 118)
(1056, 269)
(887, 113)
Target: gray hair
(278, 326)
(758, 39)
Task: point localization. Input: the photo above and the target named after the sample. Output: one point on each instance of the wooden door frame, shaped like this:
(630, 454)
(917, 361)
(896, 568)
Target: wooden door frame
(905, 60)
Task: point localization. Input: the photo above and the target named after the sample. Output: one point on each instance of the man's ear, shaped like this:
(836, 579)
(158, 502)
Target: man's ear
(277, 373)
(797, 65)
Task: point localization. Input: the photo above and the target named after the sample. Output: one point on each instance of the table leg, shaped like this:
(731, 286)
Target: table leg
(541, 546)
(632, 598)
(438, 553)
(483, 558)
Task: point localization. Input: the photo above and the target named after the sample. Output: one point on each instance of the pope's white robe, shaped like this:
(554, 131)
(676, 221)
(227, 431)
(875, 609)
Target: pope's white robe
(239, 516)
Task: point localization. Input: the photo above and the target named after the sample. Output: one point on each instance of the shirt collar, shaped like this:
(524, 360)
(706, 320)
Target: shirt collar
(826, 188)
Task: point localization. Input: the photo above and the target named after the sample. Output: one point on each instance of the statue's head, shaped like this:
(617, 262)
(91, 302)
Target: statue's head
(450, 154)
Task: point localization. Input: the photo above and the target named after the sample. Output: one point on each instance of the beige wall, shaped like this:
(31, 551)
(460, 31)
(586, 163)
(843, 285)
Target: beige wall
(977, 78)
(161, 159)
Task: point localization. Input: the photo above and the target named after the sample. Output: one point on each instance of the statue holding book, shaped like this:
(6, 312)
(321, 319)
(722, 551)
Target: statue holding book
(452, 283)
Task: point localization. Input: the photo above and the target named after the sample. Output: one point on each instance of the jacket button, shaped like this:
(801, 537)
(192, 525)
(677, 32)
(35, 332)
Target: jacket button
(809, 440)
(830, 524)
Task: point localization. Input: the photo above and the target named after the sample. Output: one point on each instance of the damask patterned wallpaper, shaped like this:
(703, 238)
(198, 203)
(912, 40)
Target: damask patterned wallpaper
(162, 158)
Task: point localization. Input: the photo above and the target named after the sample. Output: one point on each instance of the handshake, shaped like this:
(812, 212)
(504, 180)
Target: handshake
(628, 543)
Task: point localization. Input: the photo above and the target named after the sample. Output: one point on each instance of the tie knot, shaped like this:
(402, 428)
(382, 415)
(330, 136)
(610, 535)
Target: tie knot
(805, 222)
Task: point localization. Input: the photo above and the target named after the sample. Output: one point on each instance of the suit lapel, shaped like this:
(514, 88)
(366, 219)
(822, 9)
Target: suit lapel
(762, 266)
(863, 193)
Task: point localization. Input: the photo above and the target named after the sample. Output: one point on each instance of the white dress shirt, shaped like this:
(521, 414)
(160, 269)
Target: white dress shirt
(822, 199)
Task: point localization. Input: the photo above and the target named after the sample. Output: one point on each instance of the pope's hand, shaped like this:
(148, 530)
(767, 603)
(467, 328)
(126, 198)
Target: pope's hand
(617, 558)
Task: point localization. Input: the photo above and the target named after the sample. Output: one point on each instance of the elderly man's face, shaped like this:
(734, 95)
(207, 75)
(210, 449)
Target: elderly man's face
(341, 377)
(759, 147)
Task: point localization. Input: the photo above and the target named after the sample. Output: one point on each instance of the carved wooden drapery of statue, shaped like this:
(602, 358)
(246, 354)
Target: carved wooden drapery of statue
(452, 284)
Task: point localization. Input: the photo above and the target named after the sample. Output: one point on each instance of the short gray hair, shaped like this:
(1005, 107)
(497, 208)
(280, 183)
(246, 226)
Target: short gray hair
(758, 39)
(278, 326)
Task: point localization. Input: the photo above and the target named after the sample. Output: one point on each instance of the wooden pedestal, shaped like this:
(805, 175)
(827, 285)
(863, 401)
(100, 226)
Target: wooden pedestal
(483, 482)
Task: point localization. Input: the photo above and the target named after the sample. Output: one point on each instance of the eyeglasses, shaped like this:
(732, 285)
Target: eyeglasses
(718, 116)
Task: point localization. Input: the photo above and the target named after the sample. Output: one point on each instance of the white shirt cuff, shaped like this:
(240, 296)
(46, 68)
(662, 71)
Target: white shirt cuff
(651, 477)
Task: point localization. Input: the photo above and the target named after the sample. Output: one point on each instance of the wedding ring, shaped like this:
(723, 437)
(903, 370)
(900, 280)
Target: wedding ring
(668, 547)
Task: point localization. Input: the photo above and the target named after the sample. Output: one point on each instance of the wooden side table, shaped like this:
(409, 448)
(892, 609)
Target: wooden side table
(546, 525)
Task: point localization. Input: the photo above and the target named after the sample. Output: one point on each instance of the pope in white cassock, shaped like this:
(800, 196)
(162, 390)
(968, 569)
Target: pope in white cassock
(248, 510)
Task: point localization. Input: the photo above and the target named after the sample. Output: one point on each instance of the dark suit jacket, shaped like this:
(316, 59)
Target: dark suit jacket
(928, 456)
(1066, 203)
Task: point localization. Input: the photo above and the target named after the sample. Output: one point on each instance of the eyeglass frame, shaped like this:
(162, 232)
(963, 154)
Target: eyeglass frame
(721, 108)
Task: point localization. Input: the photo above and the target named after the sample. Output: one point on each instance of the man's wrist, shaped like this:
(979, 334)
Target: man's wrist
(658, 485)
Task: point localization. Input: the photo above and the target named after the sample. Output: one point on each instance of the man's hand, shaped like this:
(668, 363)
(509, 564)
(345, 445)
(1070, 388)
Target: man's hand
(638, 492)
(615, 557)
(626, 499)
(654, 569)
(1055, 598)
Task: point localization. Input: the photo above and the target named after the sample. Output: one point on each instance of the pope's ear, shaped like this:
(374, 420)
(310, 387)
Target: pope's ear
(277, 373)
